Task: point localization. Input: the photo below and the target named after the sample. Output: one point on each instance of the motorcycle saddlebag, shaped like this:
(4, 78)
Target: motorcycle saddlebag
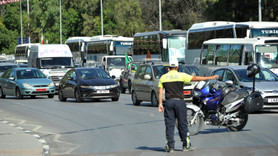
(253, 102)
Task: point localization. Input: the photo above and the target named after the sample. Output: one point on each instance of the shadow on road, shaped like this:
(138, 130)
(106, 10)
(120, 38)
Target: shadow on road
(218, 130)
(158, 149)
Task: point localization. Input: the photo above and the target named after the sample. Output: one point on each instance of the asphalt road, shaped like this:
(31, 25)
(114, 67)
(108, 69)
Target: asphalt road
(119, 128)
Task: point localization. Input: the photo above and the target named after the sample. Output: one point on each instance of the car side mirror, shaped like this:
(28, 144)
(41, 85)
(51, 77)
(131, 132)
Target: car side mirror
(11, 78)
(113, 76)
(147, 77)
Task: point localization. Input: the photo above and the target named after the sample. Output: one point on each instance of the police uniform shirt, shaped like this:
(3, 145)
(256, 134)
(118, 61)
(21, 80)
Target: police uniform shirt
(173, 82)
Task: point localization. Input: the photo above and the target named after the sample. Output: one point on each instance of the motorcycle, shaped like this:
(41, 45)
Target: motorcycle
(217, 103)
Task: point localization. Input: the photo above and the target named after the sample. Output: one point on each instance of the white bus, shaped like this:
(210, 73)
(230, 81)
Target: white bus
(159, 45)
(22, 52)
(100, 46)
(201, 32)
(235, 51)
(54, 60)
(77, 47)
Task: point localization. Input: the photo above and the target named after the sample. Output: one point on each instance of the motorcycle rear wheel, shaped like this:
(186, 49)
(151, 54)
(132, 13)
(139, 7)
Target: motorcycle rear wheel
(197, 124)
(243, 116)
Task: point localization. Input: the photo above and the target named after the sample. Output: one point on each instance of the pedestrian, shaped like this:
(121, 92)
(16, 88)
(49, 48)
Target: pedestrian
(175, 106)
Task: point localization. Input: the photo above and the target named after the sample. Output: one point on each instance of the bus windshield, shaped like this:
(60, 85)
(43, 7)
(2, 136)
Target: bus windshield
(176, 46)
(267, 55)
(56, 62)
(116, 62)
(122, 47)
(264, 32)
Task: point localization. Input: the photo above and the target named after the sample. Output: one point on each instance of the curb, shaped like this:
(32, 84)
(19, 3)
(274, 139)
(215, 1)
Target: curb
(46, 151)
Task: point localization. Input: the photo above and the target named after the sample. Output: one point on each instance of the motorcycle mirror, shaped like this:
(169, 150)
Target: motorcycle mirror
(229, 82)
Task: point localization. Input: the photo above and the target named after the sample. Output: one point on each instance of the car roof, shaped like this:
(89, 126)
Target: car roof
(25, 68)
(235, 67)
(7, 64)
(82, 68)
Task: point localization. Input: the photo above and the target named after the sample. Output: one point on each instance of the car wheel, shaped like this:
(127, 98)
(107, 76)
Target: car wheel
(2, 93)
(129, 87)
(77, 95)
(18, 94)
(33, 96)
(134, 99)
(154, 99)
(50, 95)
(122, 87)
(115, 99)
(60, 95)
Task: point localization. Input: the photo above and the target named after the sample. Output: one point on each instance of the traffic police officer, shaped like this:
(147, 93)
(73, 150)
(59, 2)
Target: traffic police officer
(175, 106)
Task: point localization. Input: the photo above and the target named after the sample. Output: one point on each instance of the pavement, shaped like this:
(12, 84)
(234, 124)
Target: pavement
(16, 141)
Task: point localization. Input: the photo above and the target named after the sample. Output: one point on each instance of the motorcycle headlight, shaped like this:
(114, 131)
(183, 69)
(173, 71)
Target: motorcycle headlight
(26, 85)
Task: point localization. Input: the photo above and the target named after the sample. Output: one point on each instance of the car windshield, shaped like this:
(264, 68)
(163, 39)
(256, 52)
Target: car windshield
(263, 75)
(116, 62)
(193, 70)
(29, 74)
(159, 70)
(57, 62)
(267, 55)
(92, 74)
(4, 68)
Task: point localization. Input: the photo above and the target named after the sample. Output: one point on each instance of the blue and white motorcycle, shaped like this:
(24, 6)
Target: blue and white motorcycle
(221, 104)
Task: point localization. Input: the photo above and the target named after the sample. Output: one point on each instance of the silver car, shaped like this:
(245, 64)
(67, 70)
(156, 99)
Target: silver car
(266, 82)
(145, 83)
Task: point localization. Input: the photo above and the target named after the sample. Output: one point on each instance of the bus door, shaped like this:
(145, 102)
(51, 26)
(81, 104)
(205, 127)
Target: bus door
(248, 56)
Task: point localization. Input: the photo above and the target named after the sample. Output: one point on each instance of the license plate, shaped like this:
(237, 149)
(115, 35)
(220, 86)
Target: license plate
(187, 92)
(103, 91)
(39, 90)
(274, 100)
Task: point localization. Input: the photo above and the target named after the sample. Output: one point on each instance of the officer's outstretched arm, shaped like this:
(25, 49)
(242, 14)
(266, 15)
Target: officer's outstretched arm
(202, 78)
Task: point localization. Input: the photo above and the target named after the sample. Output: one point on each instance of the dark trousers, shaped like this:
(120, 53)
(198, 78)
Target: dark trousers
(175, 109)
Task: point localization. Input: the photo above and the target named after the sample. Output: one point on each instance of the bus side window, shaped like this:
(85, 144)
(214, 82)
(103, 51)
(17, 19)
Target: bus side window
(235, 55)
(208, 54)
(222, 55)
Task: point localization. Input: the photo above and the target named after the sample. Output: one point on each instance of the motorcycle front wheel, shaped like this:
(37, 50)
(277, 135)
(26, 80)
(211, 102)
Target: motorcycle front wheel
(195, 126)
(242, 118)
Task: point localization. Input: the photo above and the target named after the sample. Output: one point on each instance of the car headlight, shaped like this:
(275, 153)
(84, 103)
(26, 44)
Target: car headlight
(196, 93)
(100, 87)
(26, 85)
(88, 87)
(51, 84)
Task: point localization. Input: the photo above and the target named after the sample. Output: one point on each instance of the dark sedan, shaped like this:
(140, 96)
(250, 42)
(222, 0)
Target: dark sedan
(88, 83)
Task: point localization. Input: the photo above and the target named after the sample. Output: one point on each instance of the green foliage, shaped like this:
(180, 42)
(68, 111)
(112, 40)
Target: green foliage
(7, 40)
(120, 17)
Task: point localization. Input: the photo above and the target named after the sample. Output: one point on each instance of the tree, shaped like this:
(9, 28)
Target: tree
(7, 40)
(123, 17)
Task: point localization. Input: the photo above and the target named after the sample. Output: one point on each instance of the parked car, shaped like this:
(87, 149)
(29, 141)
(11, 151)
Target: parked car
(266, 82)
(88, 83)
(127, 76)
(22, 82)
(145, 84)
(192, 70)
(6, 66)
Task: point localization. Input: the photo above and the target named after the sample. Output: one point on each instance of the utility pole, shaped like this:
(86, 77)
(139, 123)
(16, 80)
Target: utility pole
(260, 10)
(21, 39)
(28, 21)
(60, 23)
(101, 12)
(160, 24)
